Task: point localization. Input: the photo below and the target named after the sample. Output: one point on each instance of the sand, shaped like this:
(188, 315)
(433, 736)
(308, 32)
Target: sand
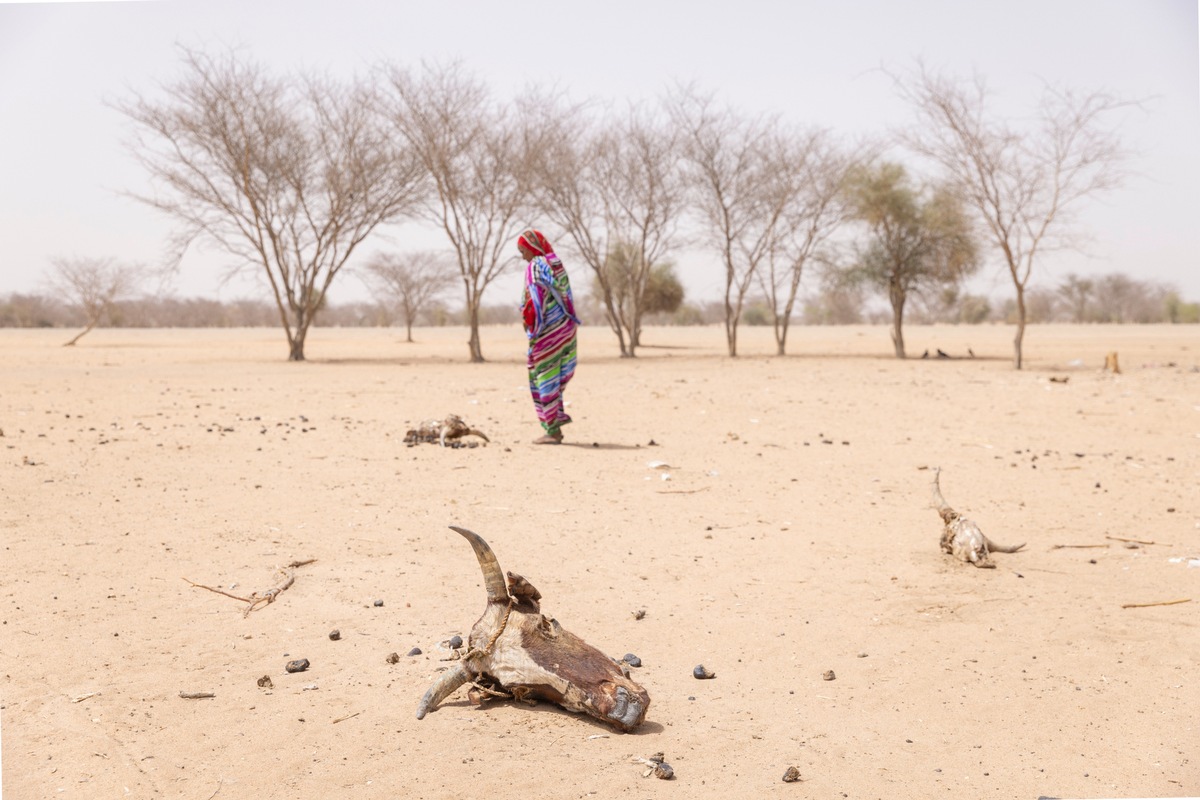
(793, 537)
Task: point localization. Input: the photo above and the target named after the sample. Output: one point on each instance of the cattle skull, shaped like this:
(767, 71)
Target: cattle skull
(514, 649)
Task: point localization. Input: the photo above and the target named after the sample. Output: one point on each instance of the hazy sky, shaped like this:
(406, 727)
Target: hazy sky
(63, 166)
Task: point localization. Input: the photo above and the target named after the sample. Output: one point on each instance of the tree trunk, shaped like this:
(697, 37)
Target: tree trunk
(91, 324)
(614, 322)
(408, 329)
(1019, 339)
(297, 335)
(473, 343)
(730, 329)
(898, 298)
(296, 341)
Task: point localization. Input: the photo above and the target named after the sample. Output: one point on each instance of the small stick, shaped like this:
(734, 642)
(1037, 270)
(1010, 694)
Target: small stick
(1162, 603)
(1135, 541)
(218, 591)
(348, 716)
(83, 697)
(1075, 546)
(683, 491)
(196, 695)
(258, 600)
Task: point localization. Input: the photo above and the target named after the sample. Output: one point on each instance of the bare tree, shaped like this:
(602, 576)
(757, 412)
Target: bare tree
(94, 285)
(617, 191)
(476, 153)
(1024, 183)
(288, 175)
(409, 281)
(742, 184)
(815, 211)
(917, 240)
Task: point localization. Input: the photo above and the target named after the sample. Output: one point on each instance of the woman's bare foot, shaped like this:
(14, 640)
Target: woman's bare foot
(548, 439)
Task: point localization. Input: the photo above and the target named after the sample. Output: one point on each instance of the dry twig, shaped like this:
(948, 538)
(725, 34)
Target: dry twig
(1160, 603)
(1135, 541)
(1075, 546)
(348, 716)
(259, 599)
(196, 695)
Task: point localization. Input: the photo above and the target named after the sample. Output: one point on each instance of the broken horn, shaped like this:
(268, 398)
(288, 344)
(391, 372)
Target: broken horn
(493, 577)
(442, 688)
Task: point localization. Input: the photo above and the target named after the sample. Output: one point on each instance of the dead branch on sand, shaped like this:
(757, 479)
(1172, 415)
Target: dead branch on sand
(1160, 603)
(1133, 541)
(255, 600)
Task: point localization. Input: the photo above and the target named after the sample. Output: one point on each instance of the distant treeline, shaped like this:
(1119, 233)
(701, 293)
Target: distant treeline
(1114, 298)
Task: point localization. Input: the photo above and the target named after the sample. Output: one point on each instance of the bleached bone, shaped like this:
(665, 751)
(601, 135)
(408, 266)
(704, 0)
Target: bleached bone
(516, 650)
(961, 537)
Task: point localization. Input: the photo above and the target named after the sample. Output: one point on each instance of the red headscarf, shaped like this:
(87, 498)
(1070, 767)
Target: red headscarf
(535, 241)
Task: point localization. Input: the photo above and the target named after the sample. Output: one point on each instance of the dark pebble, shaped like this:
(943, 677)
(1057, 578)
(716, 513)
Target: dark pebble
(299, 665)
(792, 775)
(416, 651)
(265, 682)
(334, 635)
(455, 642)
(393, 658)
(378, 603)
(631, 660)
(700, 673)
(828, 675)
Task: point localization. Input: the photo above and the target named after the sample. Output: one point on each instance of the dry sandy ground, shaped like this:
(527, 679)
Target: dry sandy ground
(794, 536)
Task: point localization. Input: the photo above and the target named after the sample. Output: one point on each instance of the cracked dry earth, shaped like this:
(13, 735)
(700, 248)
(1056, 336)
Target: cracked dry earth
(784, 536)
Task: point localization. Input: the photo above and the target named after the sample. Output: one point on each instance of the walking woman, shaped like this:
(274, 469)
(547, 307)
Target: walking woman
(548, 311)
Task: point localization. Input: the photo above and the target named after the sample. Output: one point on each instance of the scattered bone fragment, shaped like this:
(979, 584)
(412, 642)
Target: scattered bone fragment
(961, 537)
(656, 766)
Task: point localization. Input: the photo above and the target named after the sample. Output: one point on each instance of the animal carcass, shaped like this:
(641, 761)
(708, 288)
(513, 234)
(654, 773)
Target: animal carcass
(514, 650)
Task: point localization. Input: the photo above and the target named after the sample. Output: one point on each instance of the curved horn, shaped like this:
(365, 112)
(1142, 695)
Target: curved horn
(493, 578)
(441, 689)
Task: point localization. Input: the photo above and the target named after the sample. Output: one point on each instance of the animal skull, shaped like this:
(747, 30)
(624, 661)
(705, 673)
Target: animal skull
(517, 650)
(961, 537)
